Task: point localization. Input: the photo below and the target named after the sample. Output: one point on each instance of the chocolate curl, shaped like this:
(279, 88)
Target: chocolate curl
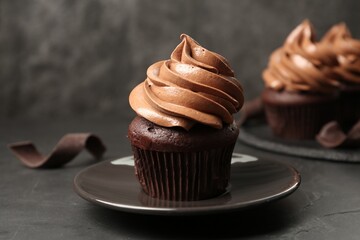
(65, 150)
(331, 136)
(251, 109)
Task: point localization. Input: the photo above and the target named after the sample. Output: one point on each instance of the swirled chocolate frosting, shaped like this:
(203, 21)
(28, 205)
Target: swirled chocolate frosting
(347, 50)
(194, 86)
(302, 64)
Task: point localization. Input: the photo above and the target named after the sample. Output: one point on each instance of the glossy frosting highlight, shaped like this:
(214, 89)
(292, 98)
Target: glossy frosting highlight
(194, 86)
(302, 64)
(347, 50)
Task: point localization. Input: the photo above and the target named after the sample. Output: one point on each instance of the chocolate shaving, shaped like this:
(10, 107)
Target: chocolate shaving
(332, 135)
(65, 150)
(252, 109)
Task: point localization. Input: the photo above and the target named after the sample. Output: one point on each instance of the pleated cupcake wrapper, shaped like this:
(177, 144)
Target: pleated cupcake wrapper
(183, 176)
(301, 122)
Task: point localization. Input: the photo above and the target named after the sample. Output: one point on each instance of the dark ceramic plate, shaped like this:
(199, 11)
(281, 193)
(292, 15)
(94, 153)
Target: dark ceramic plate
(258, 134)
(254, 181)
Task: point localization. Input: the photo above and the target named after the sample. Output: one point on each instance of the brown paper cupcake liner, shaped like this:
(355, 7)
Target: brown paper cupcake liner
(300, 122)
(183, 176)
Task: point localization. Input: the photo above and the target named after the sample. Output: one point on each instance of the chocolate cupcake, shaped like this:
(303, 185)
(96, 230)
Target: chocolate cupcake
(184, 134)
(347, 50)
(301, 89)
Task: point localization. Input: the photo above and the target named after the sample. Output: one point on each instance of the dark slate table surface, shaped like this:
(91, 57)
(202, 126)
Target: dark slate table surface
(41, 204)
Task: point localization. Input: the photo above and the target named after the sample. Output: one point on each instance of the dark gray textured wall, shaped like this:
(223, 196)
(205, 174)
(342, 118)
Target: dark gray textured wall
(61, 58)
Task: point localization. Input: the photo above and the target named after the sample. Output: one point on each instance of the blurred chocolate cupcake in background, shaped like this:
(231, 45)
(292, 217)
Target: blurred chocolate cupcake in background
(347, 50)
(300, 85)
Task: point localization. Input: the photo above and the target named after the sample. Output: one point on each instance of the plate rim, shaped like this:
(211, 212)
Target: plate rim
(256, 141)
(176, 211)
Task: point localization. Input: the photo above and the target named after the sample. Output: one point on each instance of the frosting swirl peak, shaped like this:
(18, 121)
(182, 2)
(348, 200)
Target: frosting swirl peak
(347, 50)
(194, 86)
(302, 64)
